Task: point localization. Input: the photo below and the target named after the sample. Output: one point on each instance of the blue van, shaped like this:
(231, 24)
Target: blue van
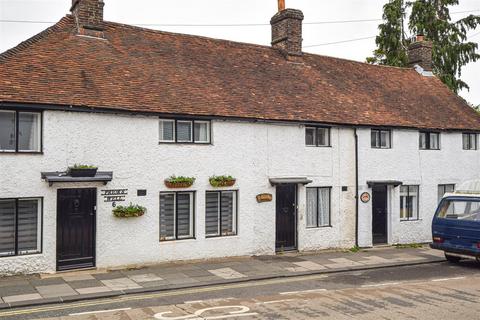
(456, 224)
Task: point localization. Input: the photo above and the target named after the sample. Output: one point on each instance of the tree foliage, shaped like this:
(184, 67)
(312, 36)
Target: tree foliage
(431, 18)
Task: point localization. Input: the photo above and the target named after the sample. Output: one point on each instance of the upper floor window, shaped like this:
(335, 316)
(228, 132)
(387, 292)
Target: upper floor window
(20, 226)
(429, 140)
(409, 198)
(317, 137)
(381, 139)
(184, 131)
(20, 131)
(469, 141)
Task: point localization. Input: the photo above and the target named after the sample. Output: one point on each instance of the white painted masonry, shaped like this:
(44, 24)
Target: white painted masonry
(128, 146)
(406, 163)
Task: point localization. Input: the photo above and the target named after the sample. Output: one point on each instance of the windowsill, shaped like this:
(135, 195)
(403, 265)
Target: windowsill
(173, 240)
(378, 148)
(186, 143)
(410, 220)
(21, 152)
(319, 227)
(21, 255)
(318, 146)
(220, 237)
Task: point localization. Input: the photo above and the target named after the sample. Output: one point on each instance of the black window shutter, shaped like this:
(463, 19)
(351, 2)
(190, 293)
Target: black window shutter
(7, 227)
(183, 215)
(227, 213)
(27, 225)
(167, 215)
(212, 213)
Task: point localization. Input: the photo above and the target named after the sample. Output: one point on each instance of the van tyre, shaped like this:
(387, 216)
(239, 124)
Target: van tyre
(453, 259)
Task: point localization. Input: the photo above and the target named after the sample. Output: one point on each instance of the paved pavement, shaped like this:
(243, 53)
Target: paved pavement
(18, 291)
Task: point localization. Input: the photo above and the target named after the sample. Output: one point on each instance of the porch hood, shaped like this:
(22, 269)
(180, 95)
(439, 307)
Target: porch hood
(289, 180)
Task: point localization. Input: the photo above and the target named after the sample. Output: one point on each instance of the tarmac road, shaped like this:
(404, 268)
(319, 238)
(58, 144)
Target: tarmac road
(432, 291)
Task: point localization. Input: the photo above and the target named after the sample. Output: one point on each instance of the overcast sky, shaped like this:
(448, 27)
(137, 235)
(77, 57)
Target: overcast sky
(236, 12)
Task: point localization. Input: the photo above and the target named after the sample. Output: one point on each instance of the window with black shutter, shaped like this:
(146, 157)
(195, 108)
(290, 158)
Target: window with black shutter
(220, 213)
(176, 215)
(20, 226)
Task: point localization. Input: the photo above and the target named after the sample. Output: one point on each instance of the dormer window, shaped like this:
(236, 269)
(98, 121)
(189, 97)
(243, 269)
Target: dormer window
(184, 131)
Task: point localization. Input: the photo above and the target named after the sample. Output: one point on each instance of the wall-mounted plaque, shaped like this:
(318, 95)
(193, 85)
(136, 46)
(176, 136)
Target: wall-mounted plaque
(365, 197)
(264, 197)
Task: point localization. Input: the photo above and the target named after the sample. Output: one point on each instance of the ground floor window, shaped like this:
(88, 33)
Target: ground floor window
(220, 213)
(318, 207)
(409, 202)
(176, 215)
(20, 226)
(444, 188)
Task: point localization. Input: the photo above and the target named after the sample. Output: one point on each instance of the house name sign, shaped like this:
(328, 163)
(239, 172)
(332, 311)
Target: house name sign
(114, 195)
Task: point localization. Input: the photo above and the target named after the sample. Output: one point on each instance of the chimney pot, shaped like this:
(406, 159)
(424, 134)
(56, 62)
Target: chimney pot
(287, 31)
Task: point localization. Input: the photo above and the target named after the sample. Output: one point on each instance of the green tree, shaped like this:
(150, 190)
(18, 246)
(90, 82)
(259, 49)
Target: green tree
(451, 50)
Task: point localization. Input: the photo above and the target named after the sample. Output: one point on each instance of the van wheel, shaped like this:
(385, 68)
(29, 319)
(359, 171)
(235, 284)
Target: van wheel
(453, 259)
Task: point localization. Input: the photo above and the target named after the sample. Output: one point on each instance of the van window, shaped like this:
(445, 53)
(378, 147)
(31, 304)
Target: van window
(460, 210)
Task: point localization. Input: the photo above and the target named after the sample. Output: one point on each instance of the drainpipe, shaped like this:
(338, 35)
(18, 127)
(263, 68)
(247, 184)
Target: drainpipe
(356, 186)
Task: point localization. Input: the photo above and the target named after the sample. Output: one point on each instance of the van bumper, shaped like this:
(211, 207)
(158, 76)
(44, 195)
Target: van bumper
(455, 250)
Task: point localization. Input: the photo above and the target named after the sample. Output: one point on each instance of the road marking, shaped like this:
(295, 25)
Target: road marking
(208, 300)
(303, 291)
(275, 301)
(447, 279)
(100, 311)
(380, 284)
(238, 311)
(170, 293)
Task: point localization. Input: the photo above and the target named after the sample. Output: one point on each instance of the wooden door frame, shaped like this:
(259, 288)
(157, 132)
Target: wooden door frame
(295, 229)
(94, 227)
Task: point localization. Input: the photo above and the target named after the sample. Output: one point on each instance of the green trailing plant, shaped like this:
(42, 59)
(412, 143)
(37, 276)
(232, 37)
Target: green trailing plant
(180, 179)
(221, 181)
(83, 166)
(451, 49)
(132, 210)
(355, 249)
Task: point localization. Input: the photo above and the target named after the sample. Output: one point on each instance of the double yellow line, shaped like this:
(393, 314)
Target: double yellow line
(171, 293)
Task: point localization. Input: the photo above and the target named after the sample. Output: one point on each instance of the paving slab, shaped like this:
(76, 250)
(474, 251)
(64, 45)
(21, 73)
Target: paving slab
(146, 277)
(227, 273)
(120, 284)
(55, 290)
(22, 297)
(90, 290)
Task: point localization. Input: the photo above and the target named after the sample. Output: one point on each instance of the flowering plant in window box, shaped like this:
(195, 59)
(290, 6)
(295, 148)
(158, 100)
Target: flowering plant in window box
(82, 170)
(132, 210)
(222, 181)
(179, 182)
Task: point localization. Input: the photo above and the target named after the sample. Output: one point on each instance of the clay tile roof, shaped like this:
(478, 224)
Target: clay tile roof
(141, 70)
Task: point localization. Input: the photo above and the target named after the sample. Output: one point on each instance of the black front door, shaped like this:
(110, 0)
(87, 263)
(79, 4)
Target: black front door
(286, 217)
(76, 228)
(379, 214)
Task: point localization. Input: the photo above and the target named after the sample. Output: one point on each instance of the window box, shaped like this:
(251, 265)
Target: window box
(129, 211)
(179, 182)
(222, 181)
(82, 172)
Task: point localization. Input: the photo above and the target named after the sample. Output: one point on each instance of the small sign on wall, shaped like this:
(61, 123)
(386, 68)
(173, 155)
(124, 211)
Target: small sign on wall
(365, 197)
(114, 195)
(264, 197)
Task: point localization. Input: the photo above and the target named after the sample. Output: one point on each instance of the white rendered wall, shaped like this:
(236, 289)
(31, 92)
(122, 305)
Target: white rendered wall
(405, 162)
(128, 146)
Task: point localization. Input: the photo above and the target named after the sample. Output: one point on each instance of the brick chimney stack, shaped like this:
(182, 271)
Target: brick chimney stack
(287, 30)
(88, 16)
(420, 53)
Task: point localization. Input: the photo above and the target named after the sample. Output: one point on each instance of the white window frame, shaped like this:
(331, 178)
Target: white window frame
(219, 214)
(175, 216)
(160, 130)
(407, 218)
(39, 249)
(318, 225)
